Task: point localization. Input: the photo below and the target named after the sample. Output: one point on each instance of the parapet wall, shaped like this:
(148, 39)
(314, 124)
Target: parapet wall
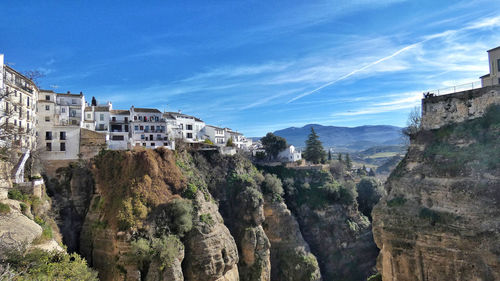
(438, 111)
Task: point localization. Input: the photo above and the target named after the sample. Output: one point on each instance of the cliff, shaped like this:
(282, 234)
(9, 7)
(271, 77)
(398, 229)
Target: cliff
(326, 210)
(440, 218)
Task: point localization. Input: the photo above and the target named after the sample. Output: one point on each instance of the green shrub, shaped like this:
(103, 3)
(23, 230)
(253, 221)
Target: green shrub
(46, 231)
(207, 218)
(396, 201)
(164, 249)
(348, 193)
(41, 265)
(190, 191)
(16, 194)
(375, 277)
(272, 185)
(180, 213)
(24, 208)
(4, 208)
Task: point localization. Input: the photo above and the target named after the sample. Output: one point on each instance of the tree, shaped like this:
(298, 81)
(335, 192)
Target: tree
(314, 149)
(413, 123)
(371, 173)
(329, 155)
(348, 162)
(340, 157)
(273, 144)
(94, 102)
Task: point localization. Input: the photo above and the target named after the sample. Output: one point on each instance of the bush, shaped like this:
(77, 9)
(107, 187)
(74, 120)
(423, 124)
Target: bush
(16, 194)
(4, 208)
(24, 208)
(375, 277)
(46, 231)
(348, 193)
(272, 185)
(190, 191)
(180, 213)
(41, 265)
(207, 218)
(164, 249)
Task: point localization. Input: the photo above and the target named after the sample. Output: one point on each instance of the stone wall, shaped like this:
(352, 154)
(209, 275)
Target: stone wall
(91, 143)
(438, 111)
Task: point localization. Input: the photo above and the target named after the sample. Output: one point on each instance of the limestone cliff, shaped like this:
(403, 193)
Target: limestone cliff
(338, 234)
(291, 258)
(144, 219)
(441, 217)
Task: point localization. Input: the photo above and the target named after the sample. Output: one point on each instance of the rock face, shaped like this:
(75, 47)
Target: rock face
(235, 184)
(291, 258)
(441, 218)
(211, 253)
(16, 230)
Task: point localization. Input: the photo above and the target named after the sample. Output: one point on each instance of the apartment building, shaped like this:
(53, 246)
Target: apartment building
(18, 96)
(60, 117)
(215, 134)
(148, 128)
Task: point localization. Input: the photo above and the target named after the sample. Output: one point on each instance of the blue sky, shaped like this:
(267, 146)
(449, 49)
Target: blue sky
(255, 66)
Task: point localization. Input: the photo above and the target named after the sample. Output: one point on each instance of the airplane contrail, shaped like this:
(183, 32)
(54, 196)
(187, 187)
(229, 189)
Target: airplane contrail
(356, 71)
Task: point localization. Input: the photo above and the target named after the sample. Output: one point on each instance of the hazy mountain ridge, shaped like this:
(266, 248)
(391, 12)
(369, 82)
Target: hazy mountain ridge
(345, 138)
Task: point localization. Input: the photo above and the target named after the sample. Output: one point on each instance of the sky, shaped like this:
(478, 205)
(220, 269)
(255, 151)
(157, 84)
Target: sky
(255, 66)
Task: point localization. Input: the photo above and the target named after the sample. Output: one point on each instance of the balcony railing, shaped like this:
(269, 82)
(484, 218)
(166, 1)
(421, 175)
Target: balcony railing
(454, 89)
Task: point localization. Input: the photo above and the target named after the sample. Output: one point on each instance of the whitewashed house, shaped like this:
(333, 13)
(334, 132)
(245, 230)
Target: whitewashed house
(290, 154)
(183, 126)
(119, 129)
(148, 128)
(60, 117)
(215, 134)
(97, 118)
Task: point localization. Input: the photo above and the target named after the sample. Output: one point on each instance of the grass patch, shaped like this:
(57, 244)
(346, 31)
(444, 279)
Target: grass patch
(4, 209)
(207, 218)
(435, 216)
(46, 231)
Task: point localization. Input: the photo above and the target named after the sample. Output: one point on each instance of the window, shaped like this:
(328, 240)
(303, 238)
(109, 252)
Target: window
(101, 117)
(47, 107)
(136, 128)
(28, 101)
(47, 97)
(126, 119)
(142, 137)
(152, 144)
(189, 135)
(63, 146)
(72, 113)
(165, 143)
(63, 110)
(113, 119)
(48, 135)
(143, 144)
(73, 122)
(126, 128)
(62, 135)
(117, 138)
(141, 128)
(498, 64)
(135, 117)
(158, 137)
(189, 127)
(101, 127)
(89, 116)
(48, 146)
(47, 119)
(73, 101)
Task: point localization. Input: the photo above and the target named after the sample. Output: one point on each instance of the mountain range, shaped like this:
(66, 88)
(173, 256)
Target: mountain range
(344, 138)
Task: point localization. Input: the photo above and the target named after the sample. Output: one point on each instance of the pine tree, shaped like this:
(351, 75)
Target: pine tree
(314, 149)
(348, 161)
(329, 155)
(340, 157)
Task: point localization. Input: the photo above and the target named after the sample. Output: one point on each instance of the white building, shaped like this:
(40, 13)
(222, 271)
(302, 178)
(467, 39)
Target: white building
(290, 154)
(493, 78)
(215, 134)
(148, 128)
(18, 96)
(60, 117)
(119, 129)
(186, 127)
(238, 139)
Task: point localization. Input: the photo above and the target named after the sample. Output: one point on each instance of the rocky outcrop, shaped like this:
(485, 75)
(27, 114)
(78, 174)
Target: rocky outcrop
(16, 230)
(211, 253)
(441, 217)
(291, 258)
